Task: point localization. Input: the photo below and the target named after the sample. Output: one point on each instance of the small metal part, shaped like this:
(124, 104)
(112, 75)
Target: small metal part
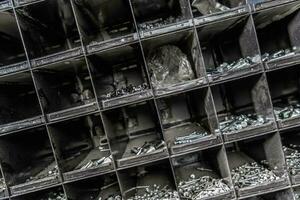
(148, 147)
(123, 91)
(280, 53)
(97, 162)
(54, 195)
(292, 157)
(206, 7)
(190, 138)
(290, 111)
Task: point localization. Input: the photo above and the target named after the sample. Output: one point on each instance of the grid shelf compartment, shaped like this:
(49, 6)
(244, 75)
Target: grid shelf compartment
(54, 192)
(238, 35)
(120, 76)
(86, 153)
(49, 31)
(280, 195)
(266, 4)
(28, 164)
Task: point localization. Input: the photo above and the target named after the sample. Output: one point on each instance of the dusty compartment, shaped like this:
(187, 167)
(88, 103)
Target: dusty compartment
(230, 49)
(134, 134)
(49, 31)
(285, 95)
(217, 10)
(12, 53)
(104, 187)
(161, 16)
(105, 23)
(174, 62)
(203, 175)
(82, 148)
(19, 104)
(155, 179)
(244, 108)
(119, 76)
(257, 165)
(189, 121)
(65, 89)
(28, 163)
(282, 20)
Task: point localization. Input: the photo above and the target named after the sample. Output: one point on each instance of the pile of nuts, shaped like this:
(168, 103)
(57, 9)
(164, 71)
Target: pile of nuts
(235, 123)
(148, 147)
(157, 192)
(203, 187)
(292, 159)
(97, 162)
(287, 112)
(252, 174)
(192, 137)
(280, 53)
(130, 89)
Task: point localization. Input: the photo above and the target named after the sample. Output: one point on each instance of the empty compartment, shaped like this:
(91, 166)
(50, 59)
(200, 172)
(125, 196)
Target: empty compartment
(291, 146)
(174, 62)
(51, 193)
(154, 180)
(134, 134)
(119, 76)
(286, 194)
(189, 121)
(285, 95)
(230, 49)
(282, 20)
(214, 10)
(28, 161)
(161, 16)
(12, 53)
(19, 103)
(244, 108)
(81, 147)
(104, 23)
(65, 89)
(49, 31)
(257, 165)
(104, 187)
(203, 175)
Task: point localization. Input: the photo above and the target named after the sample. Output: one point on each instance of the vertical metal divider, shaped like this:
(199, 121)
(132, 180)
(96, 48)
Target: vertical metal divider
(3, 176)
(36, 90)
(94, 91)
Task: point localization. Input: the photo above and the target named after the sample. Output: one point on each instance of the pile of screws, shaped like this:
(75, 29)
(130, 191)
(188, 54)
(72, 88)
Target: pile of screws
(252, 174)
(2, 185)
(130, 89)
(242, 63)
(52, 172)
(191, 138)
(57, 195)
(235, 123)
(280, 53)
(157, 23)
(287, 112)
(156, 192)
(204, 187)
(97, 162)
(147, 147)
(292, 158)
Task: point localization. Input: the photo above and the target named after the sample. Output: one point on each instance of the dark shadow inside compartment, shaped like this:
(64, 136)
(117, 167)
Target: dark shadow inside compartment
(119, 73)
(12, 49)
(28, 161)
(244, 104)
(100, 187)
(135, 180)
(282, 20)
(64, 85)
(81, 145)
(104, 20)
(188, 118)
(202, 8)
(19, 104)
(280, 195)
(229, 45)
(51, 193)
(134, 134)
(48, 27)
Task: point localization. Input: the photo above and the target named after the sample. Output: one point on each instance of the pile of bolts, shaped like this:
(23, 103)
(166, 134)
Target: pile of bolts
(156, 192)
(280, 53)
(292, 157)
(287, 112)
(203, 187)
(238, 122)
(97, 162)
(242, 63)
(148, 147)
(191, 138)
(252, 174)
(130, 89)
